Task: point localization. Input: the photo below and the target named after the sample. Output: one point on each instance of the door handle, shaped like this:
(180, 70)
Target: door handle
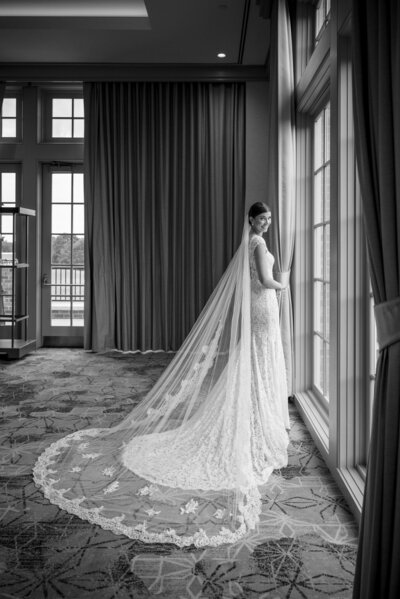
(45, 281)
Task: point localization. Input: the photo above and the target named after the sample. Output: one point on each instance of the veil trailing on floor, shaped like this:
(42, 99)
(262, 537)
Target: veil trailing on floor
(180, 467)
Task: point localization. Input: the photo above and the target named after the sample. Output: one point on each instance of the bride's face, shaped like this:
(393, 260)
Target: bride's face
(260, 223)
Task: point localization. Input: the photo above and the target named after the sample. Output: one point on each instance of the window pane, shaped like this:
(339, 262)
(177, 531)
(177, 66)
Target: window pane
(318, 142)
(78, 188)
(8, 188)
(79, 129)
(318, 197)
(327, 192)
(326, 310)
(318, 362)
(77, 313)
(60, 312)
(61, 219)
(9, 107)
(327, 132)
(6, 246)
(326, 370)
(78, 258)
(60, 249)
(9, 128)
(78, 107)
(318, 253)
(326, 242)
(61, 128)
(6, 223)
(62, 107)
(318, 307)
(61, 187)
(78, 219)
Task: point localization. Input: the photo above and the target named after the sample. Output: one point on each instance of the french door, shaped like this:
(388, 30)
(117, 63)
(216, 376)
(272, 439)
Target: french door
(63, 268)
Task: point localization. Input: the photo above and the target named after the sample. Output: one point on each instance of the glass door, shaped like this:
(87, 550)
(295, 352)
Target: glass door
(63, 268)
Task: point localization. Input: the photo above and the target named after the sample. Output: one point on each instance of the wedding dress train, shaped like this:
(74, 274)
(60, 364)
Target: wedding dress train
(185, 466)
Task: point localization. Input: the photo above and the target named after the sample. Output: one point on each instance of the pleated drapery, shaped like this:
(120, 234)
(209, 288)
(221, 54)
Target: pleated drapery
(164, 196)
(376, 74)
(281, 168)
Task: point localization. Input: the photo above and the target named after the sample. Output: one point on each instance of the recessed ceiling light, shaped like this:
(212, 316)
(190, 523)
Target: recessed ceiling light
(221, 55)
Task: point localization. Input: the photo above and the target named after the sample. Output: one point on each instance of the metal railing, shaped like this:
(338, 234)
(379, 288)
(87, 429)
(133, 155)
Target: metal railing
(67, 282)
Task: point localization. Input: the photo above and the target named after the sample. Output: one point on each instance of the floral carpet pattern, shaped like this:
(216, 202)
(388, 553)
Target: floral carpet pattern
(304, 547)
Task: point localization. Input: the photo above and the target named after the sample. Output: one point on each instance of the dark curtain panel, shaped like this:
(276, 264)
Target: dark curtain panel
(2, 90)
(377, 119)
(164, 195)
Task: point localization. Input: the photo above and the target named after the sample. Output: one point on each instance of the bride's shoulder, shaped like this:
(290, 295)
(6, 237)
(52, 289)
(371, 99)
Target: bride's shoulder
(256, 240)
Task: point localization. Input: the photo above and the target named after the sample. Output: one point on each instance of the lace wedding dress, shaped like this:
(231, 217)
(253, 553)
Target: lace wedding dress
(185, 466)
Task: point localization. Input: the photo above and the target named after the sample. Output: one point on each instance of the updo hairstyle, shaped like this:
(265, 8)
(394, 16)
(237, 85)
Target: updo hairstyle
(256, 209)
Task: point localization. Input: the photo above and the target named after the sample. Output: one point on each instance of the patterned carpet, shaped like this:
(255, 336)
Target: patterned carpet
(305, 546)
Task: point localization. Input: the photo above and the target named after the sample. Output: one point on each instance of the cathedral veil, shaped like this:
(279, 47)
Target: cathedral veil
(179, 468)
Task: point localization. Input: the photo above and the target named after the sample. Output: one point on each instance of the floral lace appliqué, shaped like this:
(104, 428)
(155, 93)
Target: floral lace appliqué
(191, 507)
(147, 490)
(152, 512)
(91, 456)
(110, 471)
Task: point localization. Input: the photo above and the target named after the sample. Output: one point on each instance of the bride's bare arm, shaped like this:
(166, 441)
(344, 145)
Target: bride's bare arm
(262, 268)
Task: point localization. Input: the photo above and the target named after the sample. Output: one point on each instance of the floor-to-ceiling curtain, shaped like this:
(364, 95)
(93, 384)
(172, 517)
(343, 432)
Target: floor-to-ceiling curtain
(376, 64)
(281, 167)
(164, 196)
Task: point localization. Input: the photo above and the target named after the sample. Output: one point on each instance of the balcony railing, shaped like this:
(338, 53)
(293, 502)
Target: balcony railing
(67, 283)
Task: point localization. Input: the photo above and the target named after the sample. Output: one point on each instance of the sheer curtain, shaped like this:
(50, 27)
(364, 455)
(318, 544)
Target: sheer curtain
(281, 167)
(164, 193)
(377, 126)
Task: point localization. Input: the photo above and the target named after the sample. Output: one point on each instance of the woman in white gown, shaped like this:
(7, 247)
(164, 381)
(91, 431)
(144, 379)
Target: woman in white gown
(186, 464)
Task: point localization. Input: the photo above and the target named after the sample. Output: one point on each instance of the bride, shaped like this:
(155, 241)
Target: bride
(185, 465)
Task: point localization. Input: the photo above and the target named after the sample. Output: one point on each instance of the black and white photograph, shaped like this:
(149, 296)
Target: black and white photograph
(199, 299)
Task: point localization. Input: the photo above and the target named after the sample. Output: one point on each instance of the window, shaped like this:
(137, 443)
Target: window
(321, 252)
(8, 188)
(10, 118)
(67, 249)
(8, 198)
(62, 115)
(67, 118)
(322, 16)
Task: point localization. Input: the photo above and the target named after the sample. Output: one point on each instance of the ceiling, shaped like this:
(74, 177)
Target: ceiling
(141, 32)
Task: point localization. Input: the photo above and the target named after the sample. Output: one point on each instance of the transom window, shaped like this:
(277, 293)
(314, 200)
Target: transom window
(9, 118)
(322, 16)
(321, 252)
(67, 118)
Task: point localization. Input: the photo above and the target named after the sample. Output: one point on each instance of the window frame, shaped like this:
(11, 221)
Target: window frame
(341, 428)
(46, 97)
(325, 21)
(325, 280)
(16, 93)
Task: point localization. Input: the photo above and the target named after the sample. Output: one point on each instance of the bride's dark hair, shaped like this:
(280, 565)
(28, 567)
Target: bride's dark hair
(258, 208)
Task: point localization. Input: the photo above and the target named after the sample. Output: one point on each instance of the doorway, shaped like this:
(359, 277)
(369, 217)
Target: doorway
(63, 268)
